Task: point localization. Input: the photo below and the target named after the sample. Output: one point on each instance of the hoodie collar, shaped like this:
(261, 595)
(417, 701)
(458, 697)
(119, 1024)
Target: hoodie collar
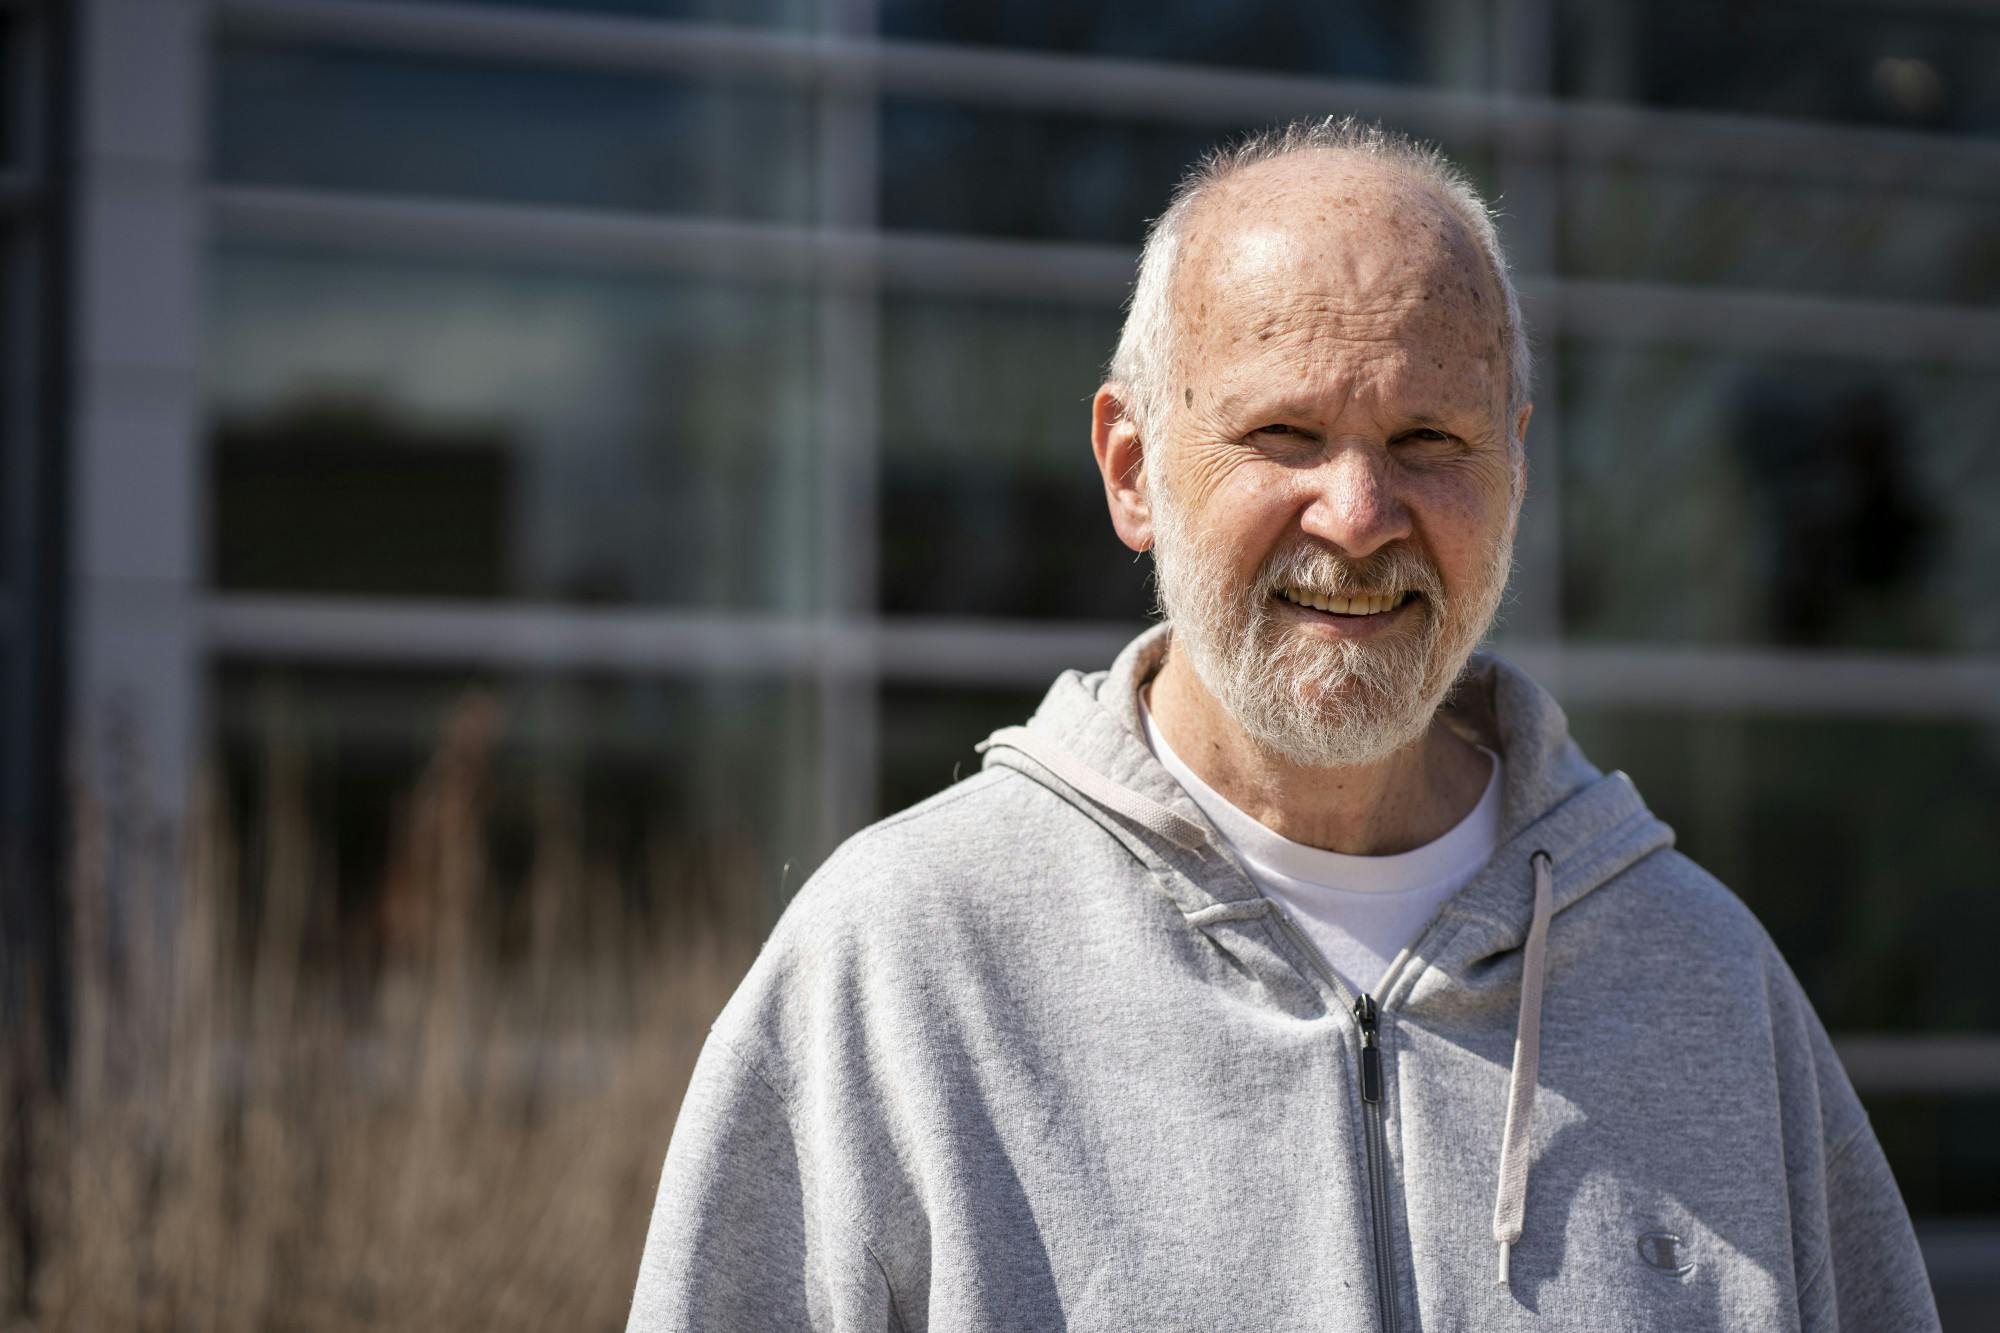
(1566, 828)
(1554, 800)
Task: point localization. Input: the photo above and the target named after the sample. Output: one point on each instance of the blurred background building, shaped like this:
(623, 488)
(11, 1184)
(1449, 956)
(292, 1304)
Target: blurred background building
(707, 382)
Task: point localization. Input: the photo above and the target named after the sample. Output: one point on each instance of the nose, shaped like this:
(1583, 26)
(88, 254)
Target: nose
(1354, 505)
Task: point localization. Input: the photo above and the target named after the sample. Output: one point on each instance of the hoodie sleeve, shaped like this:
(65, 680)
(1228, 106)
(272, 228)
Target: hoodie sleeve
(1874, 1276)
(738, 1241)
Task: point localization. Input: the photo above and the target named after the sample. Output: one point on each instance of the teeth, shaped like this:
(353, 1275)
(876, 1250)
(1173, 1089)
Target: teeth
(1344, 606)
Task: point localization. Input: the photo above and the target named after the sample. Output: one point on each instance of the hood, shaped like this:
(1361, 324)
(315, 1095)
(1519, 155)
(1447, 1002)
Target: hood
(1087, 744)
(1565, 829)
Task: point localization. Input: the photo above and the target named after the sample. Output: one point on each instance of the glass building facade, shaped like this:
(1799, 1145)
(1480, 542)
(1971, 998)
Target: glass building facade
(708, 384)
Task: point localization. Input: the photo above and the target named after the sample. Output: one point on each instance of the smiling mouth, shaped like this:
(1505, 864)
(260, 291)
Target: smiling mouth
(1365, 604)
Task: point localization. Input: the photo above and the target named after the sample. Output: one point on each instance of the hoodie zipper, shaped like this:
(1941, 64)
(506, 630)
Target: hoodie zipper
(1378, 1167)
(1366, 1013)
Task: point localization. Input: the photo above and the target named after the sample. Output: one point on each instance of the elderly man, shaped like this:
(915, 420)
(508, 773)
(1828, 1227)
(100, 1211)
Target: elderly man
(1297, 972)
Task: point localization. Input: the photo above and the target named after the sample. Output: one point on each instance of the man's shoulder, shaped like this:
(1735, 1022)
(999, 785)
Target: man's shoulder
(912, 910)
(981, 857)
(1671, 921)
(988, 826)
(1669, 884)
(1685, 921)
(1669, 902)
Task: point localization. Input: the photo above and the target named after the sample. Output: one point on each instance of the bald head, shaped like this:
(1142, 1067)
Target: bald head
(1325, 247)
(1329, 220)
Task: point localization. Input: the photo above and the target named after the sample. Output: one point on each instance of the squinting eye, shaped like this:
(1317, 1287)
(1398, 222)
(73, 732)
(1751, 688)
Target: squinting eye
(1430, 433)
(1276, 430)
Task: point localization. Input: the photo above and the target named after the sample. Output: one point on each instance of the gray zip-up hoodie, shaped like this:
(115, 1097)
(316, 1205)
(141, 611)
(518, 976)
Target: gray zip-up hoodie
(1036, 1054)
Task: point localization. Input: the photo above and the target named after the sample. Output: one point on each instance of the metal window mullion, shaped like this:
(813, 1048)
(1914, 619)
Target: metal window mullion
(135, 480)
(847, 410)
(1896, 332)
(1939, 1064)
(1524, 33)
(1121, 88)
(1025, 653)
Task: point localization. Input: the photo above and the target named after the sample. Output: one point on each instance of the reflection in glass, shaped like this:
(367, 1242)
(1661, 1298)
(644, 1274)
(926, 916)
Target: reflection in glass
(1661, 225)
(473, 431)
(991, 503)
(1373, 39)
(392, 123)
(1861, 64)
(1715, 498)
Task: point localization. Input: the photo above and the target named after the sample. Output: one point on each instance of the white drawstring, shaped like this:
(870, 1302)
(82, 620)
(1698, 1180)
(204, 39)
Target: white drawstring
(1510, 1201)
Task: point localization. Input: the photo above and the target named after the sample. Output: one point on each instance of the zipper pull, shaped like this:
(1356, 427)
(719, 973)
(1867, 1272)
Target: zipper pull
(1371, 1054)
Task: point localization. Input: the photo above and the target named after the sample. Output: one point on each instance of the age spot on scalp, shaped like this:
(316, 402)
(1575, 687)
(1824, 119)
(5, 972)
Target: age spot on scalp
(1187, 397)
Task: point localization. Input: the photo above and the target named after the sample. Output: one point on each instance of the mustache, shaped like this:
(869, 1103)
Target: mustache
(1392, 569)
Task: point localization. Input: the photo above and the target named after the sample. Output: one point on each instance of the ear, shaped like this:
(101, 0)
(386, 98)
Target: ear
(1121, 454)
(1521, 452)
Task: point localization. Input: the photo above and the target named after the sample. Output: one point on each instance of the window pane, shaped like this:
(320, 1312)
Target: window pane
(1377, 39)
(17, 83)
(1866, 847)
(1029, 175)
(1946, 1159)
(1724, 498)
(17, 385)
(1901, 66)
(1668, 226)
(404, 428)
(928, 734)
(1042, 176)
(338, 119)
(684, 793)
(785, 13)
(991, 503)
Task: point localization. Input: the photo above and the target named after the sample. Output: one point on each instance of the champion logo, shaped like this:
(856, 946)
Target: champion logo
(1665, 1251)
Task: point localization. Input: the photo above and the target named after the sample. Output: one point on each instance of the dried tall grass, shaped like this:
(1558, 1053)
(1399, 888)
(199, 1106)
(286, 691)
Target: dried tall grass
(238, 1145)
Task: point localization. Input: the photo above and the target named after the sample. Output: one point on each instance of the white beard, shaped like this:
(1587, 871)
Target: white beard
(1319, 702)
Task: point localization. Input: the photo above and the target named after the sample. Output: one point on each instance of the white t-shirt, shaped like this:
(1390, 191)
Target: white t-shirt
(1360, 910)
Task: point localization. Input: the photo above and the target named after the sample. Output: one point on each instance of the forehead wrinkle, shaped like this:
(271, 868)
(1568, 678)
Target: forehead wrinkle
(1387, 358)
(1317, 363)
(1289, 315)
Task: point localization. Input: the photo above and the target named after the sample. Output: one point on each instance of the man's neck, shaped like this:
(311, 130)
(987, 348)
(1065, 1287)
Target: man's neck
(1403, 801)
